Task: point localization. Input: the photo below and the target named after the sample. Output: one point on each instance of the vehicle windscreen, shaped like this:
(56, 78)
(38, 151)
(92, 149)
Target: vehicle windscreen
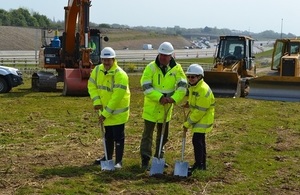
(231, 48)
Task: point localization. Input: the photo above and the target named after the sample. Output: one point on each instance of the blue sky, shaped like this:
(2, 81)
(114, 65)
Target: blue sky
(255, 15)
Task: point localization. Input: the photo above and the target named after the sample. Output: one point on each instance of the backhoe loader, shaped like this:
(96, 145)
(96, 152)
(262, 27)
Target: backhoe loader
(233, 67)
(282, 83)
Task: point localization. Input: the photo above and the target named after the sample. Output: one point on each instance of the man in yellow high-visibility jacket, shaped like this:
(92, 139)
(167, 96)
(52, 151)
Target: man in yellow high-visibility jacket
(109, 89)
(200, 120)
(163, 82)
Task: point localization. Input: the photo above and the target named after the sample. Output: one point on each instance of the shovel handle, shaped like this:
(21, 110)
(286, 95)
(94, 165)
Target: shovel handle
(183, 133)
(183, 144)
(103, 140)
(163, 127)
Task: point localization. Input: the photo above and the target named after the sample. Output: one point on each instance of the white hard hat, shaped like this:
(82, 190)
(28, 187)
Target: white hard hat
(195, 69)
(166, 48)
(108, 52)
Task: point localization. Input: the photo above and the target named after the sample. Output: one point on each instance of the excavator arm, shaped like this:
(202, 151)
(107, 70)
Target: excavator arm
(73, 58)
(77, 17)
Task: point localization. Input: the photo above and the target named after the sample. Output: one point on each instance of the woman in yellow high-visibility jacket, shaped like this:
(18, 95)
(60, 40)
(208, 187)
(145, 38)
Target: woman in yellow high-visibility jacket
(201, 102)
(164, 83)
(109, 89)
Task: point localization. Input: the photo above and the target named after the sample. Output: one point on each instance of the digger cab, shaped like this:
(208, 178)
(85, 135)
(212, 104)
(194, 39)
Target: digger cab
(236, 48)
(233, 65)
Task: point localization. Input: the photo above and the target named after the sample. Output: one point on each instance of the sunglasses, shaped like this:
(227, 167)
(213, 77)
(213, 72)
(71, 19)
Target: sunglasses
(191, 77)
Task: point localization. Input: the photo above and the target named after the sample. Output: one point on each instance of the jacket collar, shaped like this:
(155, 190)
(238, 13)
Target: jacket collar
(171, 64)
(112, 69)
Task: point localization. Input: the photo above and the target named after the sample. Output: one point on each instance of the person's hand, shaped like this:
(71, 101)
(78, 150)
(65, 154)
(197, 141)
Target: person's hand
(170, 100)
(163, 100)
(186, 105)
(101, 119)
(98, 107)
(185, 129)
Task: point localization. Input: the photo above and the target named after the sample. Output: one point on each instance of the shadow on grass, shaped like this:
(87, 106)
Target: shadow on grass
(26, 91)
(132, 173)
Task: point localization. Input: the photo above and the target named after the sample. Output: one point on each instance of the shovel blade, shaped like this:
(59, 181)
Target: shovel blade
(181, 169)
(157, 166)
(107, 165)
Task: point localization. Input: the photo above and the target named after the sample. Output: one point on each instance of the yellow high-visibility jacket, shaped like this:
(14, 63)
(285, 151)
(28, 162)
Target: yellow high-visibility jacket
(111, 90)
(92, 45)
(202, 108)
(156, 84)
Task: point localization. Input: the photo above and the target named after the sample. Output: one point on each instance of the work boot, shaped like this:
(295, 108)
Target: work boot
(202, 167)
(119, 150)
(145, 163)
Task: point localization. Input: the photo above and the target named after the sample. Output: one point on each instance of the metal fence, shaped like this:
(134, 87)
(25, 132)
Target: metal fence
(130, 60)
(19, 61)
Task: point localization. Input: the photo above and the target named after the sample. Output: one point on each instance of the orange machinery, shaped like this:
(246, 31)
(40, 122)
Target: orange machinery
(69, 55)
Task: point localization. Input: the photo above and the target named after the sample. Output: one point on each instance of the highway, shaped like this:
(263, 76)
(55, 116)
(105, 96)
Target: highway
(147, 55)
(128, 55)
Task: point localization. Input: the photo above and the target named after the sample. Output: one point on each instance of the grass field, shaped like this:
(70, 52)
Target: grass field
(48, 144)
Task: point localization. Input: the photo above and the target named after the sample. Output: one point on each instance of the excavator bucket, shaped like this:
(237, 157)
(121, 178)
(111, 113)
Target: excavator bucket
(223, 84)
(275, 88)
(75, 82)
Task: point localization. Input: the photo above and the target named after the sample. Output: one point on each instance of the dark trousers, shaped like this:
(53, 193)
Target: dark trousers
(199, 149)
(115, 136)
(147, 137)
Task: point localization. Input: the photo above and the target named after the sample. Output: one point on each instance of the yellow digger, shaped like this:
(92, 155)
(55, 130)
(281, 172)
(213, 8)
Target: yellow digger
(282, 83)
(233, 67)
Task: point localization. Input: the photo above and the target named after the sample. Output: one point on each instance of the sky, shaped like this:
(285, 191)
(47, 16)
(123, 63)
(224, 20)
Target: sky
(245, 15)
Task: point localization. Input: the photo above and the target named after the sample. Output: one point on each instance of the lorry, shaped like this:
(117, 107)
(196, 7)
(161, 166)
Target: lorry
(69, 54)
(9, 77)
(282, 82)
(233, 67)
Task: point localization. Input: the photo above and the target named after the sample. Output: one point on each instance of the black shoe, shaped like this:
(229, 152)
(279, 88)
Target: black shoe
(166, 165)
(197, 167)
(98, 160)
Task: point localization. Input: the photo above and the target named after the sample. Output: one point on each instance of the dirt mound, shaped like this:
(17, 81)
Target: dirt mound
(20, 38)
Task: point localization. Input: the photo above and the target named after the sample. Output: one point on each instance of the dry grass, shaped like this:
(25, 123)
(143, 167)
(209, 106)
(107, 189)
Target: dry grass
(18, 38)
(48, 143)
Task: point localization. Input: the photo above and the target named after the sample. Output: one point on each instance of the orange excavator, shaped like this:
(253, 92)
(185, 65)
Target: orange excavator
(70, 55)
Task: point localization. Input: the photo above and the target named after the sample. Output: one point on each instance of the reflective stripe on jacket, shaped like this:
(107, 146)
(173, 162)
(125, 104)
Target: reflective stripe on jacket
(202, 108)
(110, 89)
(155, 84)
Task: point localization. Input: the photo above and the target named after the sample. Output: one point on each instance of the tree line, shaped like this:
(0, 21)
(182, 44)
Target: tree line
(23, 18)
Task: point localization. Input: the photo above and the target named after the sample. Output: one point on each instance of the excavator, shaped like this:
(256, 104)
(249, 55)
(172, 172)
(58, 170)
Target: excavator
(70, 54)
(282, 83)
(233, 67)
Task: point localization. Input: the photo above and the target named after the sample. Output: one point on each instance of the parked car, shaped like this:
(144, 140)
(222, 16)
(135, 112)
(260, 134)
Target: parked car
(9, 77)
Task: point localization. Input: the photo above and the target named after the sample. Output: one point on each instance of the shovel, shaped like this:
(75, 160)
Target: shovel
(107, 165)
(181, 167)
(158, 164)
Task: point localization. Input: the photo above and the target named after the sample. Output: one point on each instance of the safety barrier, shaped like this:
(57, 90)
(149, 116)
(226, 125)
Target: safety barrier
(130, 60)
(19, 61)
